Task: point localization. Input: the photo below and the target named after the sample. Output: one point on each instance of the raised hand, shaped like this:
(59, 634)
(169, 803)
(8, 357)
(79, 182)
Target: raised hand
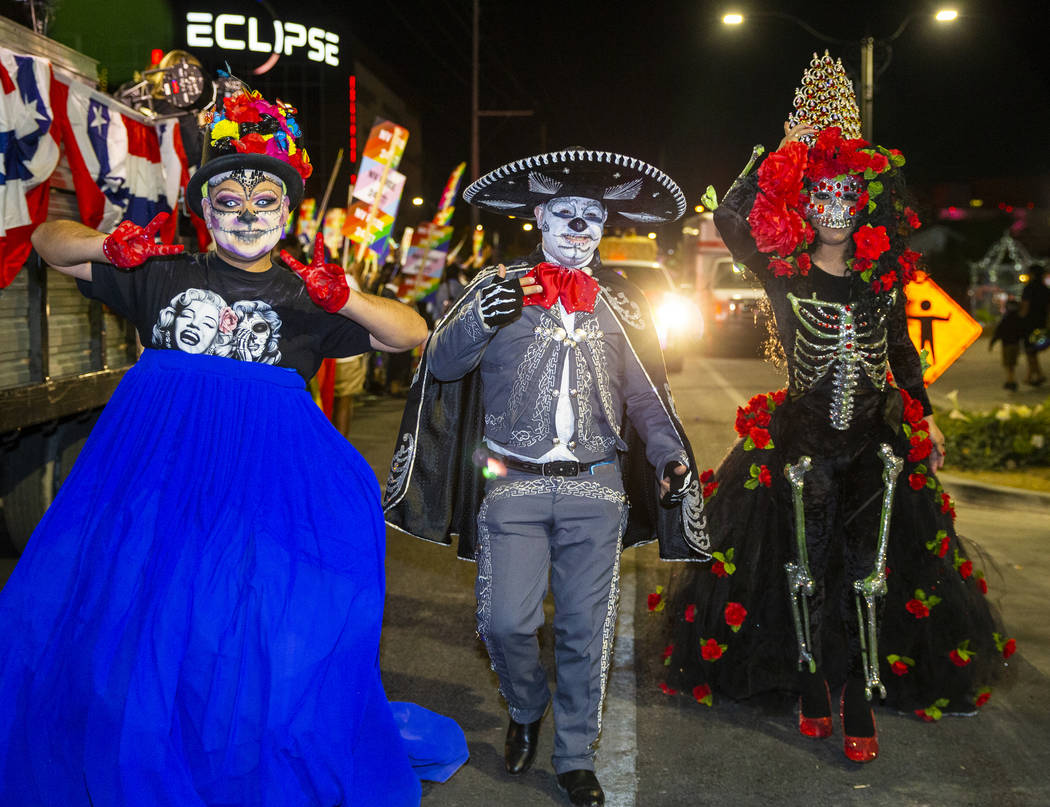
(501, 302)
(675, 483)
(130, 245)
(325, 282)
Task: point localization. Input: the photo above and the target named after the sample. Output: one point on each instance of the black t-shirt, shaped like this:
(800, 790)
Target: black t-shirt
(200, 304)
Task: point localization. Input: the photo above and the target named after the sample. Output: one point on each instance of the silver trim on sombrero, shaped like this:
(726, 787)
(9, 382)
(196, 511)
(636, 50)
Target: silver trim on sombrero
(523, 168)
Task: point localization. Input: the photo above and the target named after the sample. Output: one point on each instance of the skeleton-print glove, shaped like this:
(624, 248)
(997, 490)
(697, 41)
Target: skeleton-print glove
(500, 303)
(679, 483)
(325, 282)
(130, 245)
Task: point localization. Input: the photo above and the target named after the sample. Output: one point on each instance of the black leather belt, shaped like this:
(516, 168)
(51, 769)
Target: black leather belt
(553, 468)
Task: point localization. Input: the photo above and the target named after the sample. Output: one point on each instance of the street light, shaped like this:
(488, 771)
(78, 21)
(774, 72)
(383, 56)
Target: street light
(867, 54)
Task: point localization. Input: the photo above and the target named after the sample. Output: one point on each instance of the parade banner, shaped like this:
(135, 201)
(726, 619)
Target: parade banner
(447, 205)
(424, 264)
(370, 217)
(937, 325)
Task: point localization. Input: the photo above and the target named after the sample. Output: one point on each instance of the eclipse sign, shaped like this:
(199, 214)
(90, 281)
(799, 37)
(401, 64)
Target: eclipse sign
(239, 32)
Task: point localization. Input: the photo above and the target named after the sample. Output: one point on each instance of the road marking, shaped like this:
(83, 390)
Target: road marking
(616, 762)
(736, 396)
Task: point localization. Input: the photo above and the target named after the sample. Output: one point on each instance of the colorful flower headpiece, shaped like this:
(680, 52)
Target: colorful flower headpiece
(247, 131)
(777, 219)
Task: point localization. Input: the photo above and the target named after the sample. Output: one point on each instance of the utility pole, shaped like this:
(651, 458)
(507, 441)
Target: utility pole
(867, 88)
(476, 113)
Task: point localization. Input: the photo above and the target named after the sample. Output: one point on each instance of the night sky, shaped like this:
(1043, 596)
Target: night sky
(667, 82)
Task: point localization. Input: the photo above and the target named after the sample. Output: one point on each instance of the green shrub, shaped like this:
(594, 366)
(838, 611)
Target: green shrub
(1010, 437)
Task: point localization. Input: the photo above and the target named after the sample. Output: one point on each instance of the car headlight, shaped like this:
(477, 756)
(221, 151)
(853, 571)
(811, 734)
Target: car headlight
(678, 315)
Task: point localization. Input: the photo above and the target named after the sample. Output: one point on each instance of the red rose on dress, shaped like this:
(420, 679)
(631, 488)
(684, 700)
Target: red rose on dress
(690, 613)
(762, 417)
(781, 268)
(920, 448)
(888, 280)
(966, 569)
(707, 476)
(917, 608)
(735, 613)
(912, 410)
(926, 717)
(711, 650)
(982, 699)
(982, 584)
(878, 162)
(917, 481)
(760, 437)
(805, 262)
(958, 660)
(899, 668)
(871, 241)
(780, 396)
(861, 265)
(946, 503)
(774, 226)
(702, 693)
(908, 261)
(709, 489)
(764, 476)
(1009, 648)
(913, 220)
(667, 690)
(667, 652)
(718, 569)
(653, 600)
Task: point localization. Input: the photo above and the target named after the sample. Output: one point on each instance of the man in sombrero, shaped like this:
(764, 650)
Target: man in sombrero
(541, 430)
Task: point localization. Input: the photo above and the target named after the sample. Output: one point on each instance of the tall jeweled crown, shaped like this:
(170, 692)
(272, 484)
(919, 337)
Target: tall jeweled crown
(826, 98)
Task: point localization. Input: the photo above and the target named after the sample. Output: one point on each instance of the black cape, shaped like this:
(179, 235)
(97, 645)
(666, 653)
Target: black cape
(435, 488)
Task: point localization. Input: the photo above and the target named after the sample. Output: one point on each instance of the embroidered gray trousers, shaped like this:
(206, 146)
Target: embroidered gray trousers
(568, 530)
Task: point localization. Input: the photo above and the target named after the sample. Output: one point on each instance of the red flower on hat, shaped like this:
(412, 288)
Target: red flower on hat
(774, 226)
(780, 174)
(241, 108)
(253, 143)
(871, 242)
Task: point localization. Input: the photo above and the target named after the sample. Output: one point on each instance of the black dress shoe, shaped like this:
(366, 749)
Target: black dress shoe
(582, 787)
(520, 748)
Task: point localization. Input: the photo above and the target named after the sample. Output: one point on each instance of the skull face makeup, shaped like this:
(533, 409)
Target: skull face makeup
(833, 201)
(245, 212)
(571, 228)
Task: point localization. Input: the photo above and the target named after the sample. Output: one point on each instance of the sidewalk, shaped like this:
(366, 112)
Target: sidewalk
(977, 378)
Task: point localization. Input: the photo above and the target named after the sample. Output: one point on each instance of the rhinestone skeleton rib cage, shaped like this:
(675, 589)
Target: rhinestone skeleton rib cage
(833, 340)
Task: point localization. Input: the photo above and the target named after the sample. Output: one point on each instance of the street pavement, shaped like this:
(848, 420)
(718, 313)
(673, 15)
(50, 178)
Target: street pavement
(658, 750)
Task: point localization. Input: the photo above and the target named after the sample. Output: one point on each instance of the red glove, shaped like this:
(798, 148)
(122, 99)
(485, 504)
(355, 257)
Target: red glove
(325, 282)
(130, 245)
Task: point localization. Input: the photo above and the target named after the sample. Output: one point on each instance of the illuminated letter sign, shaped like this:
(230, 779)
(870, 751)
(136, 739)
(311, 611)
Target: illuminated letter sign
(238, 33)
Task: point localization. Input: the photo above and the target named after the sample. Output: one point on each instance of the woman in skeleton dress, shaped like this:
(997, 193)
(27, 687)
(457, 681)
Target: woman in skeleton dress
(838, 574)
(196, 619)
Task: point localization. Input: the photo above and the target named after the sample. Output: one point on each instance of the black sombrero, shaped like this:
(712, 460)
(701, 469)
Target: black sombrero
(631, 190)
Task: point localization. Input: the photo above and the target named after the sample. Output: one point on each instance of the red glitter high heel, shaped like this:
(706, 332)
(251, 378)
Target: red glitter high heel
(819, 728)
(858, 749)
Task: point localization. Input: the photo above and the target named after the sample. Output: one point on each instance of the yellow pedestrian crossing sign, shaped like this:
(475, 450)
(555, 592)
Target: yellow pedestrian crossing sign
(938, 325)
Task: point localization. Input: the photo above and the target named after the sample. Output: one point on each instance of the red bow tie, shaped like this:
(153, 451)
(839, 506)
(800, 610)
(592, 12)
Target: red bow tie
(576, 289)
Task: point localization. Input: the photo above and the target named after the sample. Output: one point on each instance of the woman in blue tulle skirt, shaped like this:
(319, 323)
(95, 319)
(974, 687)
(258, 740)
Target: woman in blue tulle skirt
(196, 619)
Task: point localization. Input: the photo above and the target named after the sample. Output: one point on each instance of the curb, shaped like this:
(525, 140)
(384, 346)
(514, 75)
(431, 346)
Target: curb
(972, 492)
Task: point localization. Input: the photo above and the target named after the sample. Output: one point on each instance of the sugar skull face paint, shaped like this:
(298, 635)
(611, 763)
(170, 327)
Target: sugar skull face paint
(833, 201)
(571, 228)
(245, 212)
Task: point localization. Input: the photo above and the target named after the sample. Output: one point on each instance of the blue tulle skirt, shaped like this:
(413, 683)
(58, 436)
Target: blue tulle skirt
(196, 619)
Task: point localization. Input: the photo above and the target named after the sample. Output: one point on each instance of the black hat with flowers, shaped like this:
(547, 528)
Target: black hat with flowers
(247, 131)
(633, 191)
